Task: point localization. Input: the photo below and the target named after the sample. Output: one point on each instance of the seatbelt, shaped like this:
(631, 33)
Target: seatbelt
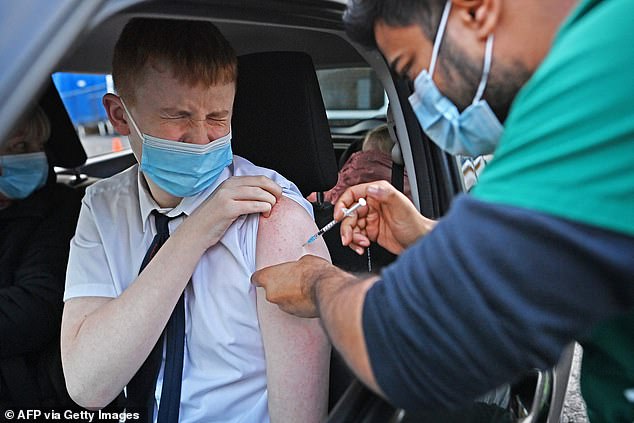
(398, 165)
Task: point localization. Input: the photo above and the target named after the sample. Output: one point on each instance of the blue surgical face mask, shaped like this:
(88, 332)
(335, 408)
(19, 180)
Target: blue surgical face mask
(22, 174)
(179, 168)
(473, 132)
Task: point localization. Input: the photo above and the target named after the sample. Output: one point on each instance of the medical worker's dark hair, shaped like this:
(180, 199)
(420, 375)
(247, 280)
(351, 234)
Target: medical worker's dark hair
(361, 15)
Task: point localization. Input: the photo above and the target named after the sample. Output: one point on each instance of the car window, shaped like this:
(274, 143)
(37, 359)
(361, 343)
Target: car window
(351, 94)
(355, 102)
(82, 94)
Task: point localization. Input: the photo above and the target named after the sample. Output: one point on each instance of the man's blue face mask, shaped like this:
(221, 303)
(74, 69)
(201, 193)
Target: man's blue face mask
(22, 174)
(473, 132)
(179, 168)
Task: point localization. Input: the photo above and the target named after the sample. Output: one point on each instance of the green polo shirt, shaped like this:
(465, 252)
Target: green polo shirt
(568, 150)
(607, 373)
(568, 144)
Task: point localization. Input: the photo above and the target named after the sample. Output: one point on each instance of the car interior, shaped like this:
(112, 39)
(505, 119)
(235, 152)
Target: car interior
(280, 121)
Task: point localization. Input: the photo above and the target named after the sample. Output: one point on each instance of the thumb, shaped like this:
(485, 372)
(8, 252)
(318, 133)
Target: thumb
(255, 278)
(377, 192)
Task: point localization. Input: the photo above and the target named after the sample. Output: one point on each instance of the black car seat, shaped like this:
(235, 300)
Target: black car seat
(279, 119)
(356, 133)
(352, 148)
(63, 148)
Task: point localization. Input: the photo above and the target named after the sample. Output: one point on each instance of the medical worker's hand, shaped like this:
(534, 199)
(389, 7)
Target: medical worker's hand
(237, 196)
(389, 218)
(293, 286)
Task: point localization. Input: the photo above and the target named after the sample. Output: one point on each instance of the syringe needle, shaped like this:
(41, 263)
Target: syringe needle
(332, 223)
(360, 203)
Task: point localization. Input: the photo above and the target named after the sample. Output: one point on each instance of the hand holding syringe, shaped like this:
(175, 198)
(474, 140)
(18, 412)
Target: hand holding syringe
(330, 225)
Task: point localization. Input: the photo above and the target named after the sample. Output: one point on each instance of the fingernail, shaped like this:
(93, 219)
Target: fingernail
(373, 189)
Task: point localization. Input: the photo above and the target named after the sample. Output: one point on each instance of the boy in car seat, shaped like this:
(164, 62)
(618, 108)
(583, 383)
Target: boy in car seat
(181, 327)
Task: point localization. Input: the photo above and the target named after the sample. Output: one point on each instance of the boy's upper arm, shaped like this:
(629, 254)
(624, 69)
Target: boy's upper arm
(297, 351)
(282, 234)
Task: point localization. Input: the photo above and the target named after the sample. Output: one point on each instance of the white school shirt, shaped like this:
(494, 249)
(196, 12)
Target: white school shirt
(224, 371)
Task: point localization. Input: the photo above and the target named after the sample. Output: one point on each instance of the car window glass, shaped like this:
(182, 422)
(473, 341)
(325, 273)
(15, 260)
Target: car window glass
(82, 94)
(351, 94)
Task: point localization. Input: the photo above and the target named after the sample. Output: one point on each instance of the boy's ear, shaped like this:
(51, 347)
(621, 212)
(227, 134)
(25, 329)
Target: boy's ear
(482, 16)
(116, 113)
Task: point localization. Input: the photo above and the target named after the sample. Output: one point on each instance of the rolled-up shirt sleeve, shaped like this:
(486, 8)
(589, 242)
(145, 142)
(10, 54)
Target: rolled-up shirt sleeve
(492, 292)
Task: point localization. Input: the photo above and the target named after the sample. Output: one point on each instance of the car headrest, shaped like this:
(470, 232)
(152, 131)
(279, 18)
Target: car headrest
(63, 147)
(279, 119)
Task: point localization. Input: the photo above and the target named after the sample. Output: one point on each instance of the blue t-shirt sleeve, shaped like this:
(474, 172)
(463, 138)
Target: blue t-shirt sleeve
(492, 292)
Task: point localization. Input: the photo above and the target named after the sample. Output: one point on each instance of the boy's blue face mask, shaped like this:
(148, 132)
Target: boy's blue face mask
(179, 168)
(22, 174)
(473, 132)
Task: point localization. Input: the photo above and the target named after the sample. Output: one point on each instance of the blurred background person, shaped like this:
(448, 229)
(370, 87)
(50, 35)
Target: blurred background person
(372, 163)
(37, 221)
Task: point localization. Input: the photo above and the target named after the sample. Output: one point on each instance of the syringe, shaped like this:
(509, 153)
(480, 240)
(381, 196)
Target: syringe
(330, 225)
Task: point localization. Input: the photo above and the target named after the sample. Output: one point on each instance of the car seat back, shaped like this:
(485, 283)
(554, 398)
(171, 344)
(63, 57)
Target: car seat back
(279, 119)
(63, 148)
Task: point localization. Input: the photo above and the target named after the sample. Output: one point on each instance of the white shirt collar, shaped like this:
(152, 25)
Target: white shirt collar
(147, 204)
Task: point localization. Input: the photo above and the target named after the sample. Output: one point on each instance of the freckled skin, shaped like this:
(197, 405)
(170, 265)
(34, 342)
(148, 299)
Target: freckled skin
(289, 224)
(297, 350)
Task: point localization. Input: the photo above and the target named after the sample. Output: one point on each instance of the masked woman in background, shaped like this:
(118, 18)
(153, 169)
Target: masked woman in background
(37, 220)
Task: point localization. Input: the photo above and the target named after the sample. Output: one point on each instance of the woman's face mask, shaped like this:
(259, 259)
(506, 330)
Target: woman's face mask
(182, 169)
(473, 132)
(22, 174)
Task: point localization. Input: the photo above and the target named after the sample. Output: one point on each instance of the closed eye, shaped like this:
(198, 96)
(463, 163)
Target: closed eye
(218, 116)
(19, 147)
(403, 72)
(177, 116)
(216, 120)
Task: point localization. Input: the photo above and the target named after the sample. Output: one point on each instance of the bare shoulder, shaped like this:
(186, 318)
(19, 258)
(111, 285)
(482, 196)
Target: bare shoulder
(287, 217)
(281, 235)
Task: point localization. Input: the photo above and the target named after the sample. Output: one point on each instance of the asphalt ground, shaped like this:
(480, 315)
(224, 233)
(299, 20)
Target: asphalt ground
(574, 406)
